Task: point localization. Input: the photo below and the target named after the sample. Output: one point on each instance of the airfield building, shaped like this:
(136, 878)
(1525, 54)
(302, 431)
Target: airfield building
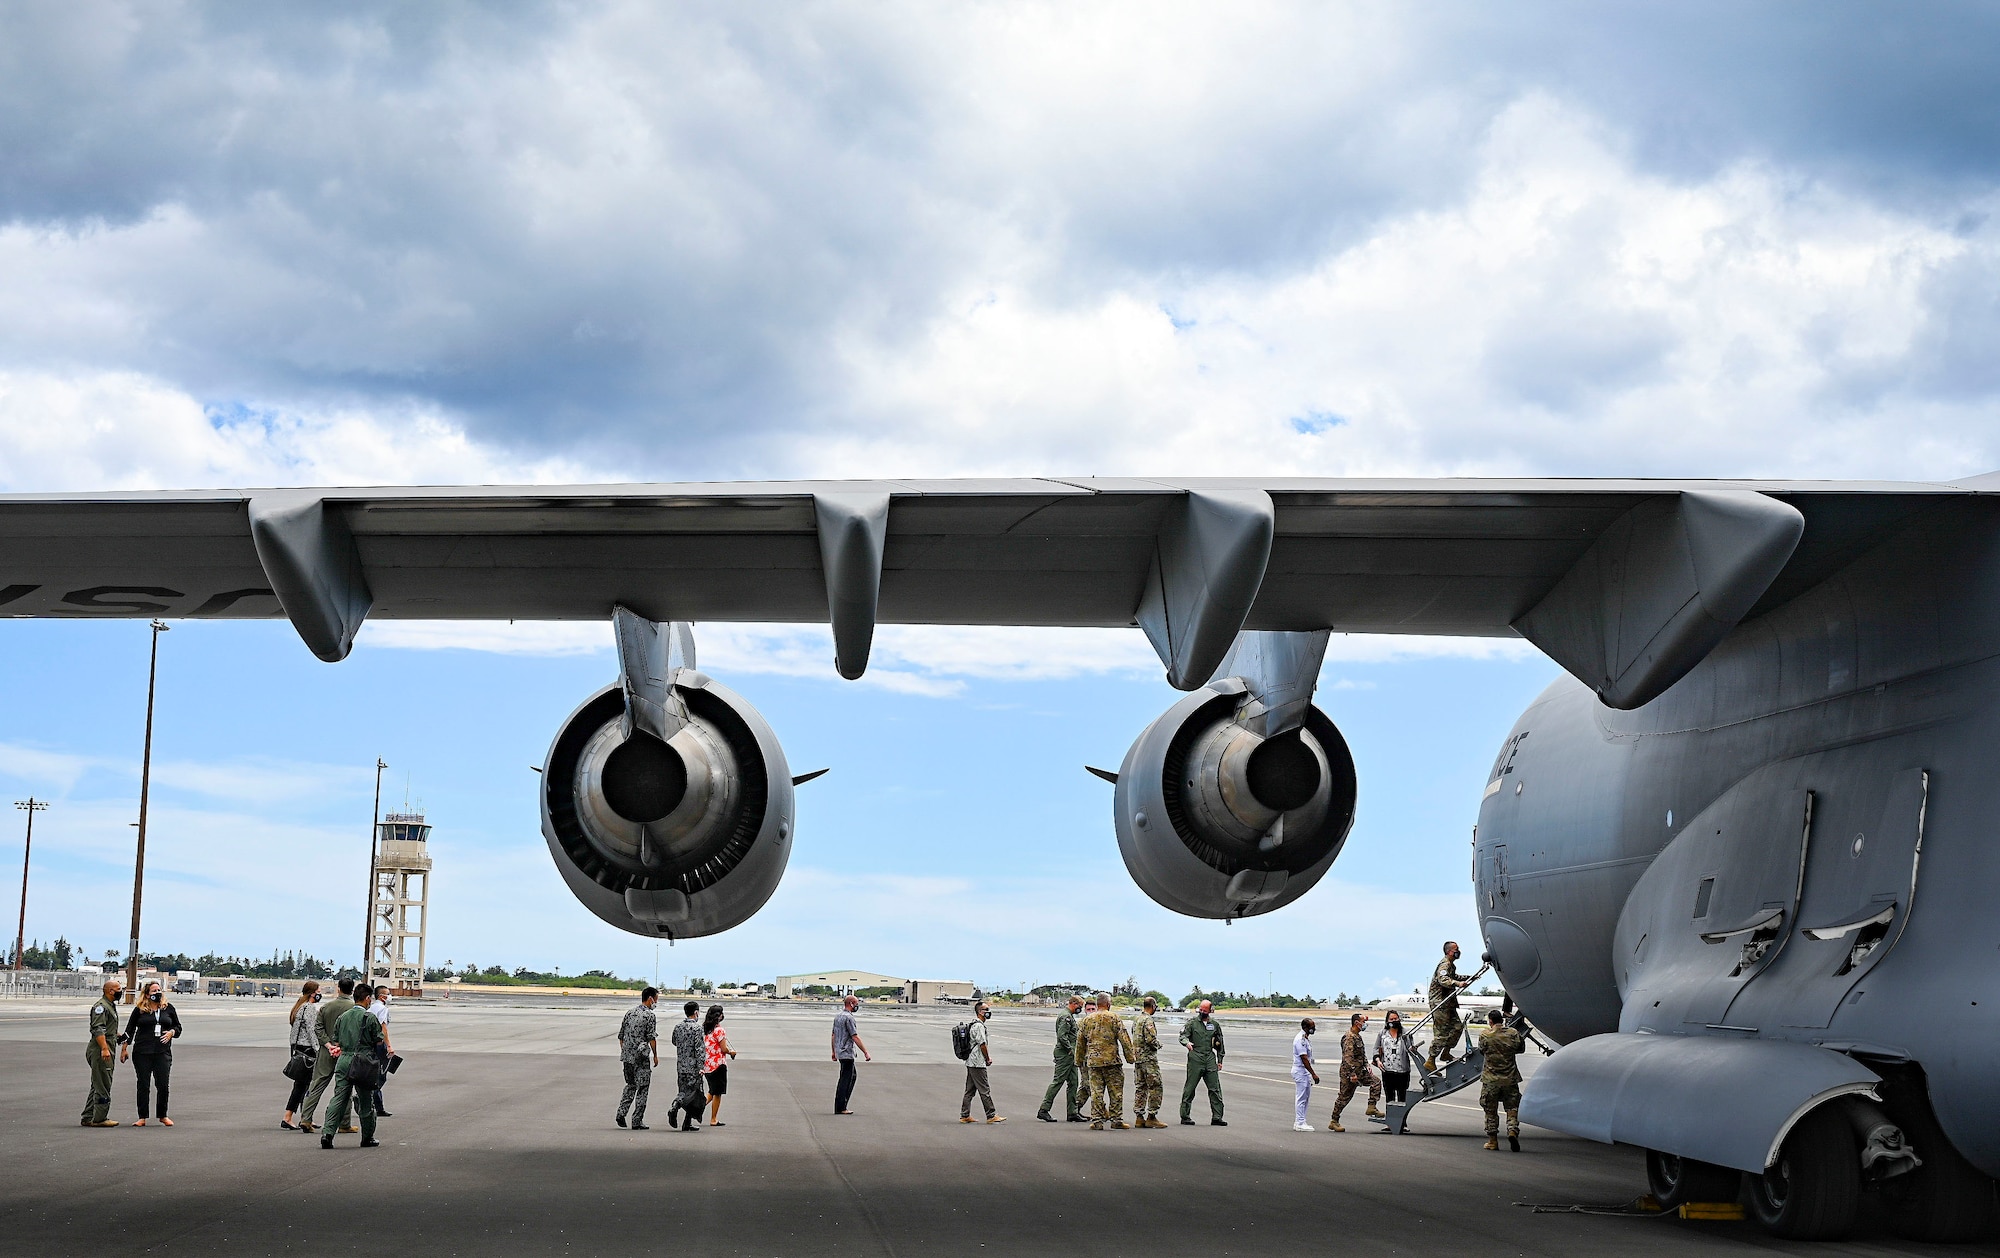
(910, 991)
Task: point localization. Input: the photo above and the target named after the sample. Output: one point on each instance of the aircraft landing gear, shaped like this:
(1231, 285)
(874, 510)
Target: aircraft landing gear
(1946, 1199)
(1674, 1181)
(1813, 1190)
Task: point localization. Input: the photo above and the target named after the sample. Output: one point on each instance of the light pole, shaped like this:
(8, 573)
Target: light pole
(374, 829)
(145, 790)
(31, 806)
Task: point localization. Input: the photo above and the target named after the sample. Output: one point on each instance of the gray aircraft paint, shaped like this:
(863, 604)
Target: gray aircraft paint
(1877, 692)
(1744, 655)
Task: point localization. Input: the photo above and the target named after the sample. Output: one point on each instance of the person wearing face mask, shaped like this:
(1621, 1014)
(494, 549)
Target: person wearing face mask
(149, 1044)
(379, 1006)
(355, 1035)
(330, 1012)
(1392, 1054)
(98, 1055)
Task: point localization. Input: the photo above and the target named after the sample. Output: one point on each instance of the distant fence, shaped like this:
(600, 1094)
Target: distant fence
(18, 983)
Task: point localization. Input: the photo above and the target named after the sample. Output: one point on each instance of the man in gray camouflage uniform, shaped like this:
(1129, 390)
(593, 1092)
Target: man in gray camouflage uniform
(638, 1038)
(689, 1052)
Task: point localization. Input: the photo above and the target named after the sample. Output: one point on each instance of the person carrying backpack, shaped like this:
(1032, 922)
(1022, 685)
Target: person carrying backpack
(969, 1043)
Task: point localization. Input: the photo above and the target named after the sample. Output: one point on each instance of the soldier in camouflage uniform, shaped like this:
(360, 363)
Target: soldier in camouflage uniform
(1146, 1080)
(1104, 1046)
(1500, 1081)
(1066, 1072)
(1446, 1026)
(638, 1054)
(100, 1054)
(1354, 1073)
(690, 1052)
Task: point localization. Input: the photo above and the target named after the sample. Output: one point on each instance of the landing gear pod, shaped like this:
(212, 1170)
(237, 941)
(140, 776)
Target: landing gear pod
(672, 838)
(1216, 821)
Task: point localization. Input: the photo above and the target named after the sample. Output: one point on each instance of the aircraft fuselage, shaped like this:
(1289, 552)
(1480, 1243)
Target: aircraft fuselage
(1796, 841)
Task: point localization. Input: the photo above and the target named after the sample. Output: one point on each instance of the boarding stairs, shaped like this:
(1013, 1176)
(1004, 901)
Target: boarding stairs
(1458, 1074)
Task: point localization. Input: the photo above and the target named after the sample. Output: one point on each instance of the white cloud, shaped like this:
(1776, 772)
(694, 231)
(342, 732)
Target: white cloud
(1573, 314)
(90, 430)
(250, 780)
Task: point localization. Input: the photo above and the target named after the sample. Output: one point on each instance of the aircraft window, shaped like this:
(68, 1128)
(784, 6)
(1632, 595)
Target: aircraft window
(1702, 896)
(1670, 818)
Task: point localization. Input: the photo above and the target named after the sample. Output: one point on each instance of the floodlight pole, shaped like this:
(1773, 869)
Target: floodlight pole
(145, 792)
(31, 806)
(374, 829)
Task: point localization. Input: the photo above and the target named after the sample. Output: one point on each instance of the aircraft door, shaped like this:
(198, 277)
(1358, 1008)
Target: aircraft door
(1716, 908)
(1860, 883)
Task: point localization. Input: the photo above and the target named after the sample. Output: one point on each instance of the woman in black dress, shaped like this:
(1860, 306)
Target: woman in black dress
(149, 1043)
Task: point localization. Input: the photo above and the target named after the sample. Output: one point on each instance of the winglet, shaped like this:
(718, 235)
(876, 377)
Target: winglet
(802, 778)
(1106, 774)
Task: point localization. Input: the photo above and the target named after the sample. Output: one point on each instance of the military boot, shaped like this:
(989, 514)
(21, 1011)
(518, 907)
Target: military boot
(1514, 1141)
(1375, 1113)
(1333, 1124)
(1431, 1064)
(1492, 1143)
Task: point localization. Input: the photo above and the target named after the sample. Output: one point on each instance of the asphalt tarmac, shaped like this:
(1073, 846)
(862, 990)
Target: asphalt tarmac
(502, 1143)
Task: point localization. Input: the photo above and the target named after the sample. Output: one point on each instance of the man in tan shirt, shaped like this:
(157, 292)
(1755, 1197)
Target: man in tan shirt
(1103, 1045)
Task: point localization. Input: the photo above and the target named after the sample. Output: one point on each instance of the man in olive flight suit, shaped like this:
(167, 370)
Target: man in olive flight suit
(1104, 1045)
(327, 1016)
(1066, 1072)
(355, 1036)
(1354, 1073)
(1201, 1035)
(1500, 1081)
(1446, 1025)
(100, 1054)
(1146, 1082)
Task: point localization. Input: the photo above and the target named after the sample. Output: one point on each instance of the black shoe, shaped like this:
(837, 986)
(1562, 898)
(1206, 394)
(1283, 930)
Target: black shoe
(1076, 1118)
(1187, 1122)
(287, 1126)
(326, 1142)
(690, 1125)
(1514, 1143)
(640, 1127)
(619, 1119)
(371, 1144)
(382, 1113)
(1217, 1122)
(1045, 1117)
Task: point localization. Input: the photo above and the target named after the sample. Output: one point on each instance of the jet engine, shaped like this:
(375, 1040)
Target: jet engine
(676, 837)
(1215, 820)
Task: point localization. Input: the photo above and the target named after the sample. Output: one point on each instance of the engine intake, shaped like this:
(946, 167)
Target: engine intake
(676, 838)
(1217, 821)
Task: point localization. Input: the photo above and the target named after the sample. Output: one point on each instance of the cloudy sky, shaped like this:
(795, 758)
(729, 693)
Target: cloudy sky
(531, 243)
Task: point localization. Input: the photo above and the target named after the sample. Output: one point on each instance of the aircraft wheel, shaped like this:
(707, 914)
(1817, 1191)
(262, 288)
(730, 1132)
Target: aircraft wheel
(1675, 1181)
(1813, 1190)
(1944, 1200)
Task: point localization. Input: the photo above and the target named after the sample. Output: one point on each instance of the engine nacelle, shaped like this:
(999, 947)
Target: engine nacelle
(1215, 821)
(672, 839)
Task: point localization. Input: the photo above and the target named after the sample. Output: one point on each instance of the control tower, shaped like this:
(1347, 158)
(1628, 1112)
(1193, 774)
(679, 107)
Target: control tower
(401, 899)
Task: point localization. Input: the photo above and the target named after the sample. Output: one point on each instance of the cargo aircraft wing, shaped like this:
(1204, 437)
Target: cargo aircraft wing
(1627, 583)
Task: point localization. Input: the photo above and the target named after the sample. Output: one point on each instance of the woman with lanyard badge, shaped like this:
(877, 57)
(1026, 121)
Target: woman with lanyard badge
(149, 1036)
